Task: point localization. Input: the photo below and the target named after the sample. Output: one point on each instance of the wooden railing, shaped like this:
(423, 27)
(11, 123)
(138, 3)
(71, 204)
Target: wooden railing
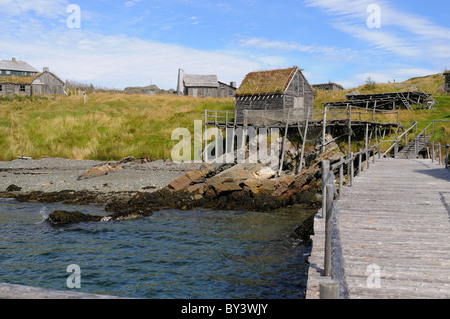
(226, 118)
(335, 288)
(439, 152)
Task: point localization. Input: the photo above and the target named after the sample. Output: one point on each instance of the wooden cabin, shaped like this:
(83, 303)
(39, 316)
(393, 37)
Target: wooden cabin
(44, 83)
(447, 82)
(331, 86)
(281, 89)
(204, 86)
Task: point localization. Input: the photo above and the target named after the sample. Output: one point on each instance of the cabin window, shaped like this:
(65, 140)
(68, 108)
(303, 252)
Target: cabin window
(22, 88)
(1, 87)
(8, 72)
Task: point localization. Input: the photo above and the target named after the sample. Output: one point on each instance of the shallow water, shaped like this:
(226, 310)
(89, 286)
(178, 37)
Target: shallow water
(170, 255)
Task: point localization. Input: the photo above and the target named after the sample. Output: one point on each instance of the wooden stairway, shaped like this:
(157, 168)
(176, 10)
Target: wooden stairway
(409, 151)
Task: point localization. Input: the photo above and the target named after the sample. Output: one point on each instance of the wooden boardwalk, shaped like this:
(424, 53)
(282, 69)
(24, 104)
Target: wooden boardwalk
(395, 233)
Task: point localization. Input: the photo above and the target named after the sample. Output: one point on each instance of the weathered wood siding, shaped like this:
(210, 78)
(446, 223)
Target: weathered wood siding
(225, 91)
(51, 85)
(274, 102)
(201, 91)
(15, 89)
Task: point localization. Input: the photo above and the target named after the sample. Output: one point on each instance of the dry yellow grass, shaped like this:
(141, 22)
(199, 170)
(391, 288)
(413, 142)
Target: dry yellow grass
(109, 127)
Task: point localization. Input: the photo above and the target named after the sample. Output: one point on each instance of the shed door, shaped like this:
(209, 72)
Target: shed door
(194, 92)
(299, 102)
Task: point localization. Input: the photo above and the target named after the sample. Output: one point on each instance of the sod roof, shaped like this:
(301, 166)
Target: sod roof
(267, 82)
(18, 79)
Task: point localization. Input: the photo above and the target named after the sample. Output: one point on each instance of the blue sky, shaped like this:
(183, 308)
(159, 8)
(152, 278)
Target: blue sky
(137, 42)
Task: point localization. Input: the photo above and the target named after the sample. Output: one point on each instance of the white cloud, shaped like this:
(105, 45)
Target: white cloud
(121, 61)
(131, 3)
(261, 43)
(43, 8)
(402, 33)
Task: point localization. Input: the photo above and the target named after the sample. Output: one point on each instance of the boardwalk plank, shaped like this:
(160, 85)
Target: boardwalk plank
(396, 217)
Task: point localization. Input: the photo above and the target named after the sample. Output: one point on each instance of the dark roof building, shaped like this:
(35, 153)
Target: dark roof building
(16, 68)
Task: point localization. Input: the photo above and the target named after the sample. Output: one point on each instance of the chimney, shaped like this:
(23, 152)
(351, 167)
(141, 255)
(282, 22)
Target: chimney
(180, 87)
(233, 84)
(14, 59)
(46, 69)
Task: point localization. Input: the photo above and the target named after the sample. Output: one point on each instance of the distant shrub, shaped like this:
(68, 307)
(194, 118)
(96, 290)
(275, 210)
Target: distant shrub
(370, 84)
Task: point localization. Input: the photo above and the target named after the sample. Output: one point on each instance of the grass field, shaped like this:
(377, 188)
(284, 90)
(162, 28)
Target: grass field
(108, 127)
(113, 126)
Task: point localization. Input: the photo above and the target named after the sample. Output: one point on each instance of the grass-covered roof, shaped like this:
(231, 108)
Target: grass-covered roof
(18, 79)
(267, 82)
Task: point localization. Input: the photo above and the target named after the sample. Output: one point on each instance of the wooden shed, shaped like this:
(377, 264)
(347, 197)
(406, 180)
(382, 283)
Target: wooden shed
(204, 86)
(45, 83)
(331, 86)
(280, 89)
(447, 81)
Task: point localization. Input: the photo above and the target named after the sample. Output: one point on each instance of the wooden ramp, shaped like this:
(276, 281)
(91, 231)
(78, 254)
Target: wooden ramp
(395, 233)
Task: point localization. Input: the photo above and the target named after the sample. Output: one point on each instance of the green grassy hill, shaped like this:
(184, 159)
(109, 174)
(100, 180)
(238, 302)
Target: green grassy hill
(113, 126)
(431, 84)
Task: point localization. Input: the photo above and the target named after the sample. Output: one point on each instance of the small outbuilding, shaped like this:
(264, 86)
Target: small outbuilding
(331, 86)
(447, 81)
(44, 83)
(204, 86)
(281, 89)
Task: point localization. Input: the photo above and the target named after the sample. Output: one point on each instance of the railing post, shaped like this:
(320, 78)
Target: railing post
(368, 158)
(395, 147)
(352, 168)
(325, 173)
(446, 156)
(328, 229)
(373, 159)
(360, 162)
(432, 152)
(329, 289)
(440, 154)
(341, 177)
(415, 147)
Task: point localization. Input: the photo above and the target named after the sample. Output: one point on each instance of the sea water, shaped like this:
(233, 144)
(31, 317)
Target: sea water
(198, 254)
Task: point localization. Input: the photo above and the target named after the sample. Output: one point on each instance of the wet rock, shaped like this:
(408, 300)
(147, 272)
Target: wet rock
(64, 217)
(13, 188)
(60, 217)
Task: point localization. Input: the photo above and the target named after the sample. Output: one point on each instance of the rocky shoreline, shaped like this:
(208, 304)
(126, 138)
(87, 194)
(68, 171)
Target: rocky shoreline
(133, 188)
